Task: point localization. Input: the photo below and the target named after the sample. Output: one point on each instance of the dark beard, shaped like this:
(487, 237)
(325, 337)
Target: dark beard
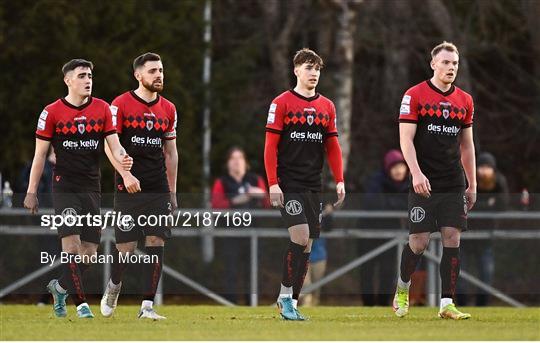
(152, 88)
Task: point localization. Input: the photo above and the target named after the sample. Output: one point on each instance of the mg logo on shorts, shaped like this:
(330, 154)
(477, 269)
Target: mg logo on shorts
(127, 223)
(293, 207)
(417, 214)
(70, 216)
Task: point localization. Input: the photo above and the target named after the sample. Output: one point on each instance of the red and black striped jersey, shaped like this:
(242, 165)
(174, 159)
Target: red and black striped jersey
(143, 127)
(303, 124)
(440, 117)
(76, 134)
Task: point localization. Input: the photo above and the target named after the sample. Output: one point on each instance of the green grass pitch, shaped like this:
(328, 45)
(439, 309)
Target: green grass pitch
(29, 322)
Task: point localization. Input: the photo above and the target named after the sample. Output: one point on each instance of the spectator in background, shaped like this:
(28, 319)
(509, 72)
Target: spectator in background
(317, 260)
(238, 189)
(386, 189)
(493, 196)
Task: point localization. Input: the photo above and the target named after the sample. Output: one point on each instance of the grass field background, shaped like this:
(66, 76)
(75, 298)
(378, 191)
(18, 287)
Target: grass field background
(29, 322)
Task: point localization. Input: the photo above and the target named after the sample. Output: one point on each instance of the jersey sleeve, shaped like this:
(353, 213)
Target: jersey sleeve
(46, 124)
(274, 121)
(108, 127)
(171, 129)
(331, 128)
(334, 157)
(270, 157)
(117, 115)
(408, 111)
(469, 116)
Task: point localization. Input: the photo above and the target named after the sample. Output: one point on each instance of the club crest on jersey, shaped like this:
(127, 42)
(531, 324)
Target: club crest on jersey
(445, 106)
(149, 120)
(80, 128)
(310, 114)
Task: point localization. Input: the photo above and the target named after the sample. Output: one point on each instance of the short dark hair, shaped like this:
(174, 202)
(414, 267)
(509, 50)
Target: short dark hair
(74, 63)
(231, 151)
(306, 55)
(141, 60)
(444, 46)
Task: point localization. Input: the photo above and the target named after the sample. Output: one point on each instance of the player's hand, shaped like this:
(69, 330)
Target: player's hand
(276, 196)
(127, 162)
(421, 185)
(328, 209)
(470, 197)
(31, 202)
(174, 202)
(131, 183)
(340, 190)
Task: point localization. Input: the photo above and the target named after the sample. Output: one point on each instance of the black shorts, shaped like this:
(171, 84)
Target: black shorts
(140, 206)
(304, 207)
(448, 209)
(69, 201)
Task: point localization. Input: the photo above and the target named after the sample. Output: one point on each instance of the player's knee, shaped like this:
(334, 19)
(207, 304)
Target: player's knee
(418, 246)
(89, 256)
(71, 244)
(451, 238)
(154, 241)
(88, 249)
(451, 242)
(126, 248)
(301, 240)
(308, 246)
(71, 248)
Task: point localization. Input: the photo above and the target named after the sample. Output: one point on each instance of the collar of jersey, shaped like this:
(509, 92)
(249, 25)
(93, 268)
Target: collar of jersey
(68, 104)
(151, 103)
(447, 93)
(303, 97)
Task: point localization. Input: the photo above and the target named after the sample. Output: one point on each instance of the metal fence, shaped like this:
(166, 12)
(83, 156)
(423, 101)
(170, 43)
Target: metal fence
(396, 239)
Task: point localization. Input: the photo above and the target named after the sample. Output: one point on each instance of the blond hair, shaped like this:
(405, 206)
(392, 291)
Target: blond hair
(448, 46)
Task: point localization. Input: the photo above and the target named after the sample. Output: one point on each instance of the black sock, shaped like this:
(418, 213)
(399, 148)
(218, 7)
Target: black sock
(71, 279)
(409, 261)
(449, 270)
(290, 263)
(152, 272)
(118, 268)
(83, 267)
(300, 275)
